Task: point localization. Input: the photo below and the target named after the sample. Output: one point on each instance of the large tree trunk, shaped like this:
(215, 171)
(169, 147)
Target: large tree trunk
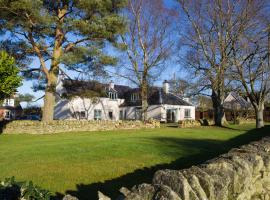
(259, 116)
(219, 113)
(144, 94)
(49, 102)
(49, 99)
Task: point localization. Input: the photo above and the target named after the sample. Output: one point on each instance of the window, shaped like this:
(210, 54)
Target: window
(187, 113)
(135, 97)
(79, 115)
(138, 113)
(111, 115)
(82, 115)
(121, 115)
(112, 95)
(97, 114)
(6, 102)
(8, 115)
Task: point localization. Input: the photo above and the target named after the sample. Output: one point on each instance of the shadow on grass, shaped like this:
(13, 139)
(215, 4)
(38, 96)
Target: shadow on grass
(207, 149)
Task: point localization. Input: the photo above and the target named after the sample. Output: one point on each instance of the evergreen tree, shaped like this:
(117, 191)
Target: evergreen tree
(66, 33)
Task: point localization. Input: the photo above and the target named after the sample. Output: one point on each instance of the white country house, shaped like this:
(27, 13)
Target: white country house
(117, 102)
(234, 101)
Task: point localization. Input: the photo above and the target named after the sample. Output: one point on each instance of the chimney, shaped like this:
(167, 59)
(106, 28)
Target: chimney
(166, 86)
(111, 85)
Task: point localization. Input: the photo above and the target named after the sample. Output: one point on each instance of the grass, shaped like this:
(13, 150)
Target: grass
(83, 163)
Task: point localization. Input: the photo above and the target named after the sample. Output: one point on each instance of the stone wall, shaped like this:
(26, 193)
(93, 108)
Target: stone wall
(58, 126)
(241, 174)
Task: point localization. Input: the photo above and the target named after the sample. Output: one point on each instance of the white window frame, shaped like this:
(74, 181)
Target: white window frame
(95, 114)
(113, 95)
(8, 114)
(189, 113)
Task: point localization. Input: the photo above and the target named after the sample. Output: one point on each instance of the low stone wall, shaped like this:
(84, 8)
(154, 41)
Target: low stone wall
(57, 126)
(241, 174)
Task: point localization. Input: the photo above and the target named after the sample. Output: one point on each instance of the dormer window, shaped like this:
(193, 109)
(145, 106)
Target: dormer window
(8, 102)
(135, 97)
(112, 95)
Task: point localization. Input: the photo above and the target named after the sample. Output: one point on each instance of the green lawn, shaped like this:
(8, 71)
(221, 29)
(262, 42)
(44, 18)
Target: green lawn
(83, 163)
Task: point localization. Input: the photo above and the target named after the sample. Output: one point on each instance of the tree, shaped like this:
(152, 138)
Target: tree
(9, 76)
(251, 59)
(179, 86)
(62, 33)
(211, 22)
(28, 98)
(147, 43)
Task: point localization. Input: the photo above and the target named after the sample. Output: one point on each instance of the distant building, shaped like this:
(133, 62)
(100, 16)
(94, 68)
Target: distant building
(118, 102)
(236, 102)
(8, 109)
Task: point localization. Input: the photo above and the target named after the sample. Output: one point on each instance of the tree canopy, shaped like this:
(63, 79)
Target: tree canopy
(9, 75)
(68, 34)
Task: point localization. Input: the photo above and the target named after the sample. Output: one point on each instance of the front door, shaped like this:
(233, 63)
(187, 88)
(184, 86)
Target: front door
(171, 115)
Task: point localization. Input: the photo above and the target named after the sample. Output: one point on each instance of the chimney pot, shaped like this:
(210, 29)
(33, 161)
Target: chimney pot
(166, 86)
(111, 85)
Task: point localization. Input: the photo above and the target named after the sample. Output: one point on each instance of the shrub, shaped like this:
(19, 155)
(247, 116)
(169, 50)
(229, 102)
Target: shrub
(188, 123)
(10, 189)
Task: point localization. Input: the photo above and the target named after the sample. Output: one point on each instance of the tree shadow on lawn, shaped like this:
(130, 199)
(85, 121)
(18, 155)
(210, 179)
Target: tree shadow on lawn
(207, 149)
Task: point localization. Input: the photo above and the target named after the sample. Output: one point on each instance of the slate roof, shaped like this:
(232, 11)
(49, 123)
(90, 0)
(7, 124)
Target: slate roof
(74, 87)
(156, 97)
(156, 94)
(239, 99)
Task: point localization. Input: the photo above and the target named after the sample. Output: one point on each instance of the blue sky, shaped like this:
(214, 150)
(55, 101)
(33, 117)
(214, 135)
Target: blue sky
(172, 67)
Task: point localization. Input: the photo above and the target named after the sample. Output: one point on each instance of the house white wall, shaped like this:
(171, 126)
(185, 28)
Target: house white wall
(153, 112)
(159, 112)
(67, 109)
(179, 112)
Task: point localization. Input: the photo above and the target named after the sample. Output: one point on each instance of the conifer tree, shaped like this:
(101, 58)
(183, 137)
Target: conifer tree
(61, 33)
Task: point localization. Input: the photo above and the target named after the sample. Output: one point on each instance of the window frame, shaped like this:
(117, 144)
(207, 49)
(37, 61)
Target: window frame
(187, 110)
(81, 116)
(8, 114)
(99, 117)
(112, 95)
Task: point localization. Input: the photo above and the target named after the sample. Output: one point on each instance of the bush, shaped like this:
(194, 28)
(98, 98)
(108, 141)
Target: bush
(188, 123)
(12, 190)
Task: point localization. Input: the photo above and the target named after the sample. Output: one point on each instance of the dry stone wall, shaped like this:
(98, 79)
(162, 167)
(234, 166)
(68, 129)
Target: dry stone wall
(241, 174)
(63, 126)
